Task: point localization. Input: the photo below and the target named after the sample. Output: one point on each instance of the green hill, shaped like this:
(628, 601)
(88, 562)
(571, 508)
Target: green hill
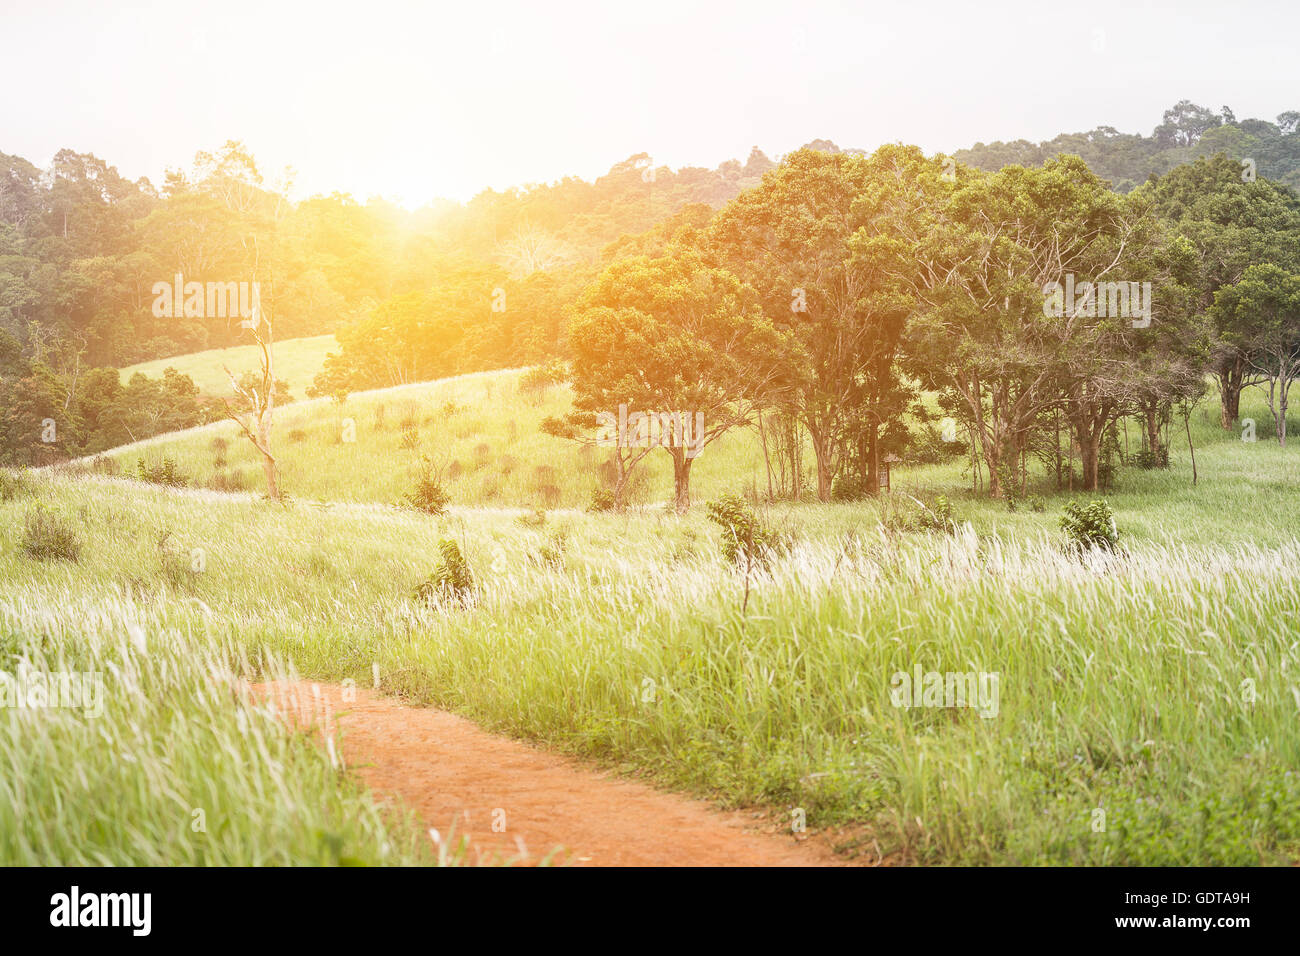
(297, 363)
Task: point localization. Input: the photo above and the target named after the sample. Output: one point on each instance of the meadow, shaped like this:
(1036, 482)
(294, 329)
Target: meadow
(297, 363)
(1147, 700)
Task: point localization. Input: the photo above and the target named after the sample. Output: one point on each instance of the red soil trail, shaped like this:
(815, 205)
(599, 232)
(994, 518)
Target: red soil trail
(456, 775)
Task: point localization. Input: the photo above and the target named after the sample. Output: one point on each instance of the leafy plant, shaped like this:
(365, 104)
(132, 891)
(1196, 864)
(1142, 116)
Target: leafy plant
(164, 473)
(451, 580)
(602, 499)
(1090, 526)
(429, 495)
(746, 538)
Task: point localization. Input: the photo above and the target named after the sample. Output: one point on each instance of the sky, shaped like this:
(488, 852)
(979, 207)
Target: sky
(412, 101)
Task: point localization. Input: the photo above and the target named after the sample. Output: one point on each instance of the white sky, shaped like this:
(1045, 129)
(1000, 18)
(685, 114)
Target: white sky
(417, 100)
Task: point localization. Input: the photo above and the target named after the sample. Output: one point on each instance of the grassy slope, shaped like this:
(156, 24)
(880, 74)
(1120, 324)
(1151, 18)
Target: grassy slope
(486, 430)
(622, 637)
(297, 362)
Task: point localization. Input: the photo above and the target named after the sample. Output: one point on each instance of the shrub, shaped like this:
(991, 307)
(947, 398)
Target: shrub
(164, 473)
(543, 377)
(935, 517)
(429, 495)
(46, 537)
(849, 488)
(1090, 526)
(746, 539)
(1148, 459)
(602, 499)
(451, 580)
(14, 484)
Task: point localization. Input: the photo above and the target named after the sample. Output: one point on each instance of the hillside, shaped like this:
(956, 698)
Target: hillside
(483, 431)
(297, 363)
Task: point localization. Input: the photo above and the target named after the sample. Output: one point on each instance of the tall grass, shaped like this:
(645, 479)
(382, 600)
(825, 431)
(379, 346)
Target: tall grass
(1148, 707)
(180, 766)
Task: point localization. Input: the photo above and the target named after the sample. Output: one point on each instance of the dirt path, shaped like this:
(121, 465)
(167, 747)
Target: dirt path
(455, 774)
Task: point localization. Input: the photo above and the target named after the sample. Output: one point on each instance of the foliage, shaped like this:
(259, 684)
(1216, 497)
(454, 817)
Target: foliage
(1090, 526)
(451, 581)
(746, 539)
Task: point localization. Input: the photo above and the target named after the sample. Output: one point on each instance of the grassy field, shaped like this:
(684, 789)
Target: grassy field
(297, 363)
(1147, 703)
(484, 429)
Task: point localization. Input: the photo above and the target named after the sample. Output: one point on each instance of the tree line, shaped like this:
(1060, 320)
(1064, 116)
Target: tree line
(1039, 305)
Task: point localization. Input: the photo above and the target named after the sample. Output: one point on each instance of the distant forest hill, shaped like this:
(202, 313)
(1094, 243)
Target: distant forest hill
(1186, 132)
(82, 248)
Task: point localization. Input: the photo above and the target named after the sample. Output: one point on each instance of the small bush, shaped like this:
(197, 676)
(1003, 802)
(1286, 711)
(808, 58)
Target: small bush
(934, 517)
(429, 496)
(1147, 459)
(543, 377)
(602, 499)
(746, 538)
(164, 473)
(14, 484)
(103, 465)
(48, 537)
(849, 488)
(1090, 526)
(451, 580)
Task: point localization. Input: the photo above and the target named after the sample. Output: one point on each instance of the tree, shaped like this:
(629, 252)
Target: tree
(676, 344)
(816, 239)
(988, 251)
(1221, 225)
(1261, 316)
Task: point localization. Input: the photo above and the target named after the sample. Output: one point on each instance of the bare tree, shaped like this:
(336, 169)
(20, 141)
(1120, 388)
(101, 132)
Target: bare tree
(256, 417)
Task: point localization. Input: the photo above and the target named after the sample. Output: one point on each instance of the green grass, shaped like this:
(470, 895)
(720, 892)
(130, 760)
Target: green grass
(486, 430)
(1149, 706)
(297, 363)
(621, 638)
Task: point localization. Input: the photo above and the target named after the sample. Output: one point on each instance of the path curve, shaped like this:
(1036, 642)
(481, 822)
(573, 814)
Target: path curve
(454, 774)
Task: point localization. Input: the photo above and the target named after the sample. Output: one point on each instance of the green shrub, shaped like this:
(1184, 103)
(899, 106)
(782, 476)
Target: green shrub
(164, 473)
(429, 495)
(849, 488)
(46, 537)
(543, 377)
(746, 538)
(1147, 459)
(934, 517)
(1090, 526)
(451, 580)
(602, 499)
